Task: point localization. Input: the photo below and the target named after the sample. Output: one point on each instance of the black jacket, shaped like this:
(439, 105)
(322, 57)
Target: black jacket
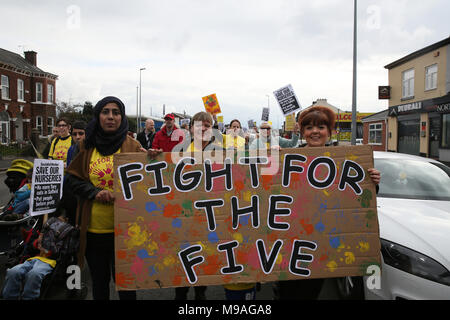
(143, 141)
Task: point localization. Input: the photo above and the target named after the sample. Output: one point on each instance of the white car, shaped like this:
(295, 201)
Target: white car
(414, 218)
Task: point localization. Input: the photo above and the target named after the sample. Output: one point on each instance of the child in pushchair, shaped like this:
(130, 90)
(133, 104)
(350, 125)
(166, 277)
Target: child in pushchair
(20, 204)
(18, 181)
(43, 261)
(10, 235)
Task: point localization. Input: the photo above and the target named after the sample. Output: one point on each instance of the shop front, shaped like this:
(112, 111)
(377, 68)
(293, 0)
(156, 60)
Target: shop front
(344, 126)
(422, 128)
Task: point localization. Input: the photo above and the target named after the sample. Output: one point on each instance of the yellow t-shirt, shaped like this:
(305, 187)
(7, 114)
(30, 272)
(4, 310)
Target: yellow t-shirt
(59, 148)
(51, 262)
(101, 176)
(233, 142)
(239, 286)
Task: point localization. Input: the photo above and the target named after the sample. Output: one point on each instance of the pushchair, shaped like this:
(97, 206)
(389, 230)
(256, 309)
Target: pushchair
(10, 231)
(17, 236)
(54, 285)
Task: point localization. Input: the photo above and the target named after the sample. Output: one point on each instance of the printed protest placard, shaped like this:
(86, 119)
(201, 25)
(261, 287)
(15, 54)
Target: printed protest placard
(211, 104)
(287, 100)
(250, 124)
(265, 114)
(208, 223)
(46, 186)
(185, 122)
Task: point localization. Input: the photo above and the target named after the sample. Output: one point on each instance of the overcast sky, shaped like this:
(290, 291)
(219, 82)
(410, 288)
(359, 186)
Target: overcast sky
(242, 50)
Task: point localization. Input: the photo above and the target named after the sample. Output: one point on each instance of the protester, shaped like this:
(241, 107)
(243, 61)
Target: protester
(146, 137)
(201, 138)
(62, 143)
(90, 175)
(233, 139)
(55, 133)
(316, 125)
(268, 140)
(78, 135)
(70, 199)
(168, 137)
(201, 132)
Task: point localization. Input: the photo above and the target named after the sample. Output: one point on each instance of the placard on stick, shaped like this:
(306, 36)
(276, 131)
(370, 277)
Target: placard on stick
(290, 122)
(211, 223)
(211, 104)
(287, 100)
(46, 186)
(265, 114)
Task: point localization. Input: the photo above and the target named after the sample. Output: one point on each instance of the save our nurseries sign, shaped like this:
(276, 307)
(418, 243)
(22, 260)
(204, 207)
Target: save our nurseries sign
(205, 222)
(46, 186)
(287, 100)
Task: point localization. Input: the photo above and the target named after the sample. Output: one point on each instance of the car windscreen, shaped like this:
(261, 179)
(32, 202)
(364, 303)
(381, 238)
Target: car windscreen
(413, 179)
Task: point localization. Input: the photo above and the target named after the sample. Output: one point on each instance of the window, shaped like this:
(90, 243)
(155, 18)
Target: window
(39, 124)
(431, 77)
(4, 127)
(375, 131)
(38, 92)
(5, 87)
(50, 93)
(50, 125)
(446, 130)
(408, 84)
(20, 90)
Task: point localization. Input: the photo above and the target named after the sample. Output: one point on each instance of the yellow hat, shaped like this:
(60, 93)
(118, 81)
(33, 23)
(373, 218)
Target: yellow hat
(20, 165)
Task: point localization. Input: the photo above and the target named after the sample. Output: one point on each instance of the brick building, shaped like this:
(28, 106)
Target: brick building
(375, 130)
(419, 102)
(27, 97)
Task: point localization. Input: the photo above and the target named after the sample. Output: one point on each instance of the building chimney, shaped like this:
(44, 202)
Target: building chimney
(31, 57)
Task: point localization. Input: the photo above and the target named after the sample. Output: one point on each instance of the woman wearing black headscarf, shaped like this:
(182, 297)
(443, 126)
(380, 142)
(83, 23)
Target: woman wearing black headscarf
(90, 175)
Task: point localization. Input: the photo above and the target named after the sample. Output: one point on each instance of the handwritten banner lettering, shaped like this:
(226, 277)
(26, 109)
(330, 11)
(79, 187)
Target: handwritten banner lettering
(190, 223)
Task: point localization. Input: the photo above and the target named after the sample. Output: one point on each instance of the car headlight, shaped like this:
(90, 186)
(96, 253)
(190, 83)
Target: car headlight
(413, 262)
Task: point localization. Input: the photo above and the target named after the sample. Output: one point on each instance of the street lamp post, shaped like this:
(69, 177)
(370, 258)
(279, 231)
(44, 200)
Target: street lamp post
(137, 109)
(353, 141)
(140, 98)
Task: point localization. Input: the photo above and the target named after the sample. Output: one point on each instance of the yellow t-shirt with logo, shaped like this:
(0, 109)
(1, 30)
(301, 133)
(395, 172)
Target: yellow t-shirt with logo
(59, 148)
(233, 142)
(101, 176)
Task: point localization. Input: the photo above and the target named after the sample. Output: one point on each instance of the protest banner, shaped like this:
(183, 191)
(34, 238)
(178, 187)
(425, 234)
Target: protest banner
(211, 104)
(251, 124)
(287, 100)
(290, 122)
(46, 186)
(209, 223)
(185, 121)
(265, 114)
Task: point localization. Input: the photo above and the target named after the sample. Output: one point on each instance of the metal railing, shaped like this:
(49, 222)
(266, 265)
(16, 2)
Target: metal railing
(9, 148)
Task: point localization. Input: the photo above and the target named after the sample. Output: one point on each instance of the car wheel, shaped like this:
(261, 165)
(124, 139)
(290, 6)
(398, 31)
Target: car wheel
(350, 288)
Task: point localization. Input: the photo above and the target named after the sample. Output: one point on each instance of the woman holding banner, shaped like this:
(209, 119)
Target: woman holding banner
(316, 125)
(90, 175)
